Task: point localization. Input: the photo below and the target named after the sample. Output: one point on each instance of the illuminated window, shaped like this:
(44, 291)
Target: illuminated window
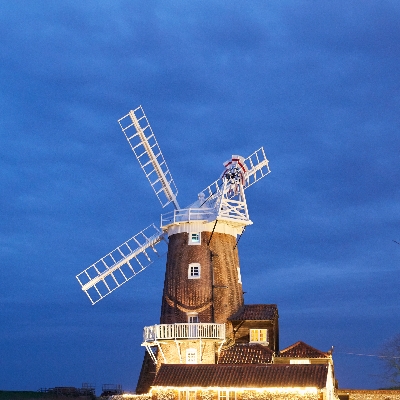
(194, 238)
(193, 328)
(258, 335)
(191, 395)
(193, 318)
(226, 395)
(194, 271)
(187, 395)
(191, 356)
(300, 361)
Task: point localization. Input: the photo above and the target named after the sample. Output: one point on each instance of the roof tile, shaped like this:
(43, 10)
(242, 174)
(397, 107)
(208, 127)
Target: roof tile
(256, 312)
(302, 350)
(242, 376)
(246, 353)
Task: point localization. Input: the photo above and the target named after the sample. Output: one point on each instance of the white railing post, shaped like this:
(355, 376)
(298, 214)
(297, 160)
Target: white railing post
(186, 214)
(183, 331)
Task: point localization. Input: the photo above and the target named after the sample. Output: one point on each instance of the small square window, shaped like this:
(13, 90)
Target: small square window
(187, 395)
(226, 395)
(258, 335)
(194, 238)
(194, 271)
(191, 395)
(191, 356)
(193, 318)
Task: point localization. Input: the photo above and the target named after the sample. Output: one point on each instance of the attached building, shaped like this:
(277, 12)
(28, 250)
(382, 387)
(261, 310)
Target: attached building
(244, 382)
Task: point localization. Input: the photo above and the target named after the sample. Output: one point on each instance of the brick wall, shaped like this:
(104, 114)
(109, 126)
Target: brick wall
(147, 374)
(215, 296)
(205, 354)
(219, 265)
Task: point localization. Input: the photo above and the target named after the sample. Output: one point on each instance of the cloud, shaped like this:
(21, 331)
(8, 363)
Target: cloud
(315, 84)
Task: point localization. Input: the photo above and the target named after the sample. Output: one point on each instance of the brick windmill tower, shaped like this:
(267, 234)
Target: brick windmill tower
(202, 288)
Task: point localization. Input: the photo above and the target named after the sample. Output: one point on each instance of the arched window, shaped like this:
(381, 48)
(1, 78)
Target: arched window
(193, 317)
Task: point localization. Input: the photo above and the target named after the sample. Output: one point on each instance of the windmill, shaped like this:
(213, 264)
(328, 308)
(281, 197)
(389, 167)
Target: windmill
(202, 286)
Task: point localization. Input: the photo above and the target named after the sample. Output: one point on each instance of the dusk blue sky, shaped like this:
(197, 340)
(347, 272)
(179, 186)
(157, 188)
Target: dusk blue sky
(316, 83)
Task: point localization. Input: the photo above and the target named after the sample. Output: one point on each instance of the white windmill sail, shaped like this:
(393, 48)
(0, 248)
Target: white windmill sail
(144, 144)
(137, 253)
(122, 264)
(258, 167)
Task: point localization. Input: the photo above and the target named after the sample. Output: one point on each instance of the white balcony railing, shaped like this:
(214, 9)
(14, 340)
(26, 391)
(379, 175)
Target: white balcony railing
(183, 331)
(187, 215)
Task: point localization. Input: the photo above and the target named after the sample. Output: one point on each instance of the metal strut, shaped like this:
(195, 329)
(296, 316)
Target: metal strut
(211, 195)
(212, 233)
(151, 354)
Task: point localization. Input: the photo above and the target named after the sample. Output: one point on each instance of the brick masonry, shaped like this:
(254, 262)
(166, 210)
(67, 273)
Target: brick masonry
(217, 294)
(175, 352)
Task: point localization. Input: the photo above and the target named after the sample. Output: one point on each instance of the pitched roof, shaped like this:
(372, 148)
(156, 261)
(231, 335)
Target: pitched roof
(256, 312)
(241, 376)
(302, 350)
(246, 353)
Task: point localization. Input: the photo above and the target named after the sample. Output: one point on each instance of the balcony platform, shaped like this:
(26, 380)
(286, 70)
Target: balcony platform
(185, 331)
(155, 335)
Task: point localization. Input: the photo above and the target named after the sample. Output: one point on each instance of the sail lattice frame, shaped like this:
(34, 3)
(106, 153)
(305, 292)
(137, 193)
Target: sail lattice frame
(143, 142)
(257, 166)
(122, 264)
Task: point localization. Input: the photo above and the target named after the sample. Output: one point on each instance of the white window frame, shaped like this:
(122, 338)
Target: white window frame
(255, 336)
(226, 395)
(193, 318)
(194, 238)
(185, 394)
(193, 328)
(191, 356)
(188, 397)
(194, 271)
